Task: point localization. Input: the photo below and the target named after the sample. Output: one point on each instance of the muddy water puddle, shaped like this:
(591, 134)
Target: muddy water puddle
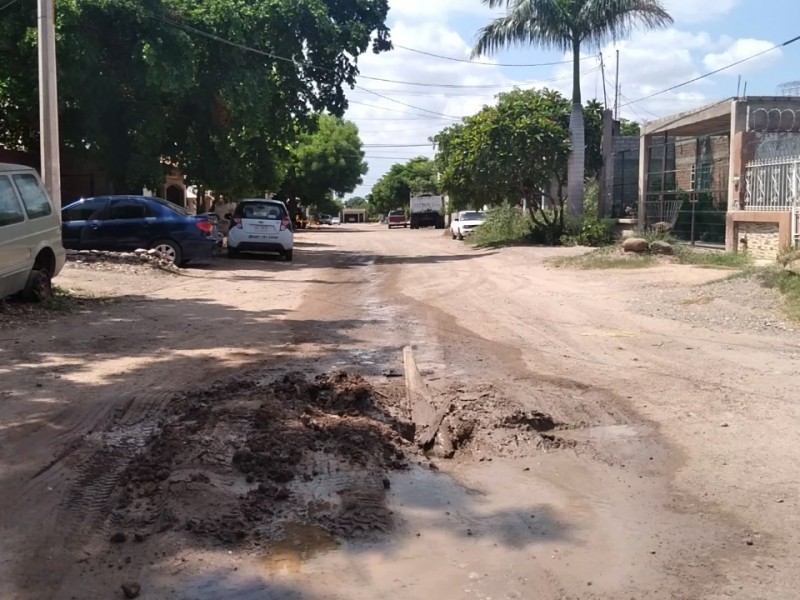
(537, 527)
(300, 544)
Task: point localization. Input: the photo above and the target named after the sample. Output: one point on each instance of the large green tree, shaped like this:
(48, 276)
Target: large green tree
(327, 160)
(219, 88)
(512, 152)
(569, 26)
(356, 202)
(395, 188)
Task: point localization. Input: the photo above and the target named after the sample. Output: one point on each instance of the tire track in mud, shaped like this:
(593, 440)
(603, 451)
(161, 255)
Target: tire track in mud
(86, 503)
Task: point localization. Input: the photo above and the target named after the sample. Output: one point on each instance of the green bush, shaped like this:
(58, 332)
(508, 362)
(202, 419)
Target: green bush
(504, 225)
(591, 230)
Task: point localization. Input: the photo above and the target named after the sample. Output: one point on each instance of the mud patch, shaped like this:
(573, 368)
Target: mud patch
(483, 421)
(233, 464)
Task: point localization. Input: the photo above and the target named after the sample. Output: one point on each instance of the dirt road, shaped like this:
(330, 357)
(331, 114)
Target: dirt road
(665, 468)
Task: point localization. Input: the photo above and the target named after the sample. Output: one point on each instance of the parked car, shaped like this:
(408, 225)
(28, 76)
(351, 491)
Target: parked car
(126, 223)
(336, 221)
(261, 226)
(325, 220)
(397, 218)
(465, 222)
(31, 252)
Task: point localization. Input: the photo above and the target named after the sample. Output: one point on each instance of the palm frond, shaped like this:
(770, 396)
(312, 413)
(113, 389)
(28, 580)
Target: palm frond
(540, 23)
(602, 21)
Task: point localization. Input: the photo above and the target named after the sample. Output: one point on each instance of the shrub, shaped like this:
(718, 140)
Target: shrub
(591, 230)
(504, 225)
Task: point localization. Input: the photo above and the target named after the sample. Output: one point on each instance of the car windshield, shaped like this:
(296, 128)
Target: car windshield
(260, 210)
(473, 216)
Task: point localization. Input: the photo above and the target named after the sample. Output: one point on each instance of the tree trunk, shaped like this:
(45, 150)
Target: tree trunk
(577, 136)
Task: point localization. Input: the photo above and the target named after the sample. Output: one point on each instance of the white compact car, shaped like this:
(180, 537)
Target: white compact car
(31, 252)
(465, 222)
(260, 226)
(336, 221)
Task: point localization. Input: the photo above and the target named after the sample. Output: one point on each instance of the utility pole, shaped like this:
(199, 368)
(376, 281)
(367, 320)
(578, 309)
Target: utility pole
(603, 72)
(48, 103)
(616, 91)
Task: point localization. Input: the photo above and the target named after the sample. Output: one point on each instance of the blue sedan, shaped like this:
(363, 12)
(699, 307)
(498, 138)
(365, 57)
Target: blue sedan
(127, 223)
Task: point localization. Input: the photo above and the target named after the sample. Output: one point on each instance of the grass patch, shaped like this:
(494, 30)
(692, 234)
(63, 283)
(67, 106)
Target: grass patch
(712, 258)
(654, 235)
(788, 284)
(14, 311)
(605, 258)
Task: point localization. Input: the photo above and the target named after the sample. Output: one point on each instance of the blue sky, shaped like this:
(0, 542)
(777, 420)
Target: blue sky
(706, 35)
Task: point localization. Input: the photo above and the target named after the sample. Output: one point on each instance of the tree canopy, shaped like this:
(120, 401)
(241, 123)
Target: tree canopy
(569, 26)
(394, 189)
(327, 160)
(150, 81)
(356, 202)
(513, 151)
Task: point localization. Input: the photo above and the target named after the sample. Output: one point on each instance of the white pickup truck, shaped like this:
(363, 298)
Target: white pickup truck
(465, 222)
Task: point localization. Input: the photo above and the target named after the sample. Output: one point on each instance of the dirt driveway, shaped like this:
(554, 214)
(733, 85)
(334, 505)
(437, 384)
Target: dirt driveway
(609, 448)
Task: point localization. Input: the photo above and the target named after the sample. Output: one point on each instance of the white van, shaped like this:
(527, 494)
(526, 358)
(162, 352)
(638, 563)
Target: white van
(31, 253)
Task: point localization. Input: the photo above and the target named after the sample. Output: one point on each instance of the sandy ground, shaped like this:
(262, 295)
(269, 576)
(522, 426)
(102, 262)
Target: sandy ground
(674, 475)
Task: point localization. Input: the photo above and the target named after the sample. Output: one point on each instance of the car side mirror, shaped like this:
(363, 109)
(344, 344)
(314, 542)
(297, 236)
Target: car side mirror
(456, 219)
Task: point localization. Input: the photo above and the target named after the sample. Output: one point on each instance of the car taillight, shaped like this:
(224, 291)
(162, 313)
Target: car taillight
(205, 227)
(237, 222)
(286, 223)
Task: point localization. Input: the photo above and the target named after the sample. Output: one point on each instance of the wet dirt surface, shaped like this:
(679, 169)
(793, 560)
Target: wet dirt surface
(233, 433)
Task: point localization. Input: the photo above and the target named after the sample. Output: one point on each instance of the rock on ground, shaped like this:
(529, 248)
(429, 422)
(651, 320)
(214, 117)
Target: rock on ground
(635, 245)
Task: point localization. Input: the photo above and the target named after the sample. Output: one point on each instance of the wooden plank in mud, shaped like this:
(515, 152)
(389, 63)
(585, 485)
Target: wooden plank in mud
(420, 404)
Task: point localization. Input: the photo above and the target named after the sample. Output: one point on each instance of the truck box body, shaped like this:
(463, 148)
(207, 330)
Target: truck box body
(427, 211)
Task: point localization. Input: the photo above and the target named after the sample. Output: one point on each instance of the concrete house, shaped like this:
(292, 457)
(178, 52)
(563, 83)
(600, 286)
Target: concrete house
(728, 172)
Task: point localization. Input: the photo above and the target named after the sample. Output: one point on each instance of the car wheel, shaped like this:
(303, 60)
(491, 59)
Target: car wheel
(233, 252)
(288, 255)
(169, 250)
(39, 286)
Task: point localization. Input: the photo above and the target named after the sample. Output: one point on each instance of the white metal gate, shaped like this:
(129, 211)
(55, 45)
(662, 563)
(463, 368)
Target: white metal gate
(773, 184)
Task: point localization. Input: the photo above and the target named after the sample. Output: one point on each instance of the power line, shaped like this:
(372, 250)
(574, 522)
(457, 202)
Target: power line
(715, 71)
(378, 107)
(433, 112)
(8, 5)
(246, 48)
(472, 62)
(200, 32)
(376, 146)
(471, 95)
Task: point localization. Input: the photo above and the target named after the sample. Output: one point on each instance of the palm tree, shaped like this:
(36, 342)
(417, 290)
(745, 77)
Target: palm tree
(566, 25)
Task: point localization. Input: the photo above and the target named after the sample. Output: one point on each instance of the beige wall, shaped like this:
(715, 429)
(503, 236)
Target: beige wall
(762, 240)
(767, 233)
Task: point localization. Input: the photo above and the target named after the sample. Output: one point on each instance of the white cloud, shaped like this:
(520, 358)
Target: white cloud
(694, 11)
(425, 10)
(741, 49)
(649, 63)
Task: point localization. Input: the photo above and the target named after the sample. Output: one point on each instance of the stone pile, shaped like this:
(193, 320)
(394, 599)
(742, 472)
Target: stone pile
(152, 257)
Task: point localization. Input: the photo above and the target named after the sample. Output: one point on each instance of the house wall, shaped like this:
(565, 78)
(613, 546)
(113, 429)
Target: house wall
(759, 240)
(763, 235)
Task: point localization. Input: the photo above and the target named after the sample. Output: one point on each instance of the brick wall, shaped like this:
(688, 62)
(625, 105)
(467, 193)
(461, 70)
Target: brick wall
(763, 240)
(690, 152)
